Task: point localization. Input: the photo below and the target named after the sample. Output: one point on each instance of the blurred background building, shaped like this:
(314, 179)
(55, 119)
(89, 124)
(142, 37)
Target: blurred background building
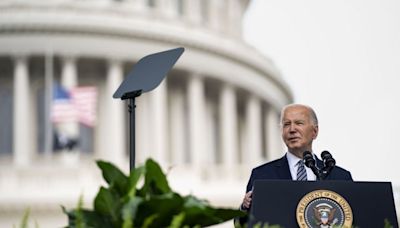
(214, 117)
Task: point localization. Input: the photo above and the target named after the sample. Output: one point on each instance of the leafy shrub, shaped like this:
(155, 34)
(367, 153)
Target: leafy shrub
(154, 204)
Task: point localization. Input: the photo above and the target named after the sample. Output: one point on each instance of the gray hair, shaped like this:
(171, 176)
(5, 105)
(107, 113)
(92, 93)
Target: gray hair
(313, 116)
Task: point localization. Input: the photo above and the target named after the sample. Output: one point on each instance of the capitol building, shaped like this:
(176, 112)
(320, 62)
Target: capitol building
(213, 118)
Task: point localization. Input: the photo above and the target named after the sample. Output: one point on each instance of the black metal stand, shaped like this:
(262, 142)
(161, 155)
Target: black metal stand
(146, 75)
(132, 143)
(132, 126)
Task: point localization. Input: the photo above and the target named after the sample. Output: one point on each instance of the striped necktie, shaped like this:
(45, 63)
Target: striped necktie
(301, 171)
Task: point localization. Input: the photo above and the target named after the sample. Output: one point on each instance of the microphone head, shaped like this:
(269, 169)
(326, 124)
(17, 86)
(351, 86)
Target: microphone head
(325, 154)
(306, 153)
(308, 159)
(328, 159)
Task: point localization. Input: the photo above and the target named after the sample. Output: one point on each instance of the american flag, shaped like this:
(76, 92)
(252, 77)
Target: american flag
(75, 105)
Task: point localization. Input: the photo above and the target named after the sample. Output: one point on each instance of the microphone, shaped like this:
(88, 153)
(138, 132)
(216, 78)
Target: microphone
(309, 161)
(329, 163)
(328, 159)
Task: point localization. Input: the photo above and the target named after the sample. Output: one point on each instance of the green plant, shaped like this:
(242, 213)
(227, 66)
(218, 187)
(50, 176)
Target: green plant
(258, 225)
(153, 204)
(387, 224)
(25, 220)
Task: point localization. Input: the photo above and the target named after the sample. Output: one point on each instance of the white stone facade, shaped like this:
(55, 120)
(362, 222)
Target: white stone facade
(212, 119)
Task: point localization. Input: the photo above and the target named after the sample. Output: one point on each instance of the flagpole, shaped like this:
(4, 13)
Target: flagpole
(48, 126)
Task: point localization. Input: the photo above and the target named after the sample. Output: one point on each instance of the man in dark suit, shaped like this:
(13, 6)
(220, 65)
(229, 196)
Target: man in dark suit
(299, 125)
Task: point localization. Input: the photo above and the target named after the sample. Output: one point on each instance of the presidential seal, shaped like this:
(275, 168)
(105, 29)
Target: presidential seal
(323, 209)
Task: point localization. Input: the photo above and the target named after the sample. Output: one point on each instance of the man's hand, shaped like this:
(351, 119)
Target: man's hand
(247, 200)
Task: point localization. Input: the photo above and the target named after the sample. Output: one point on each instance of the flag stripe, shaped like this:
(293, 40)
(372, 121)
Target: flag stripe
(78, 104)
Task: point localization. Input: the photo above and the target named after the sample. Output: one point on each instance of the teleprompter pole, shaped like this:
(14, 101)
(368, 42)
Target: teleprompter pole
(132, 129)
(145, 76)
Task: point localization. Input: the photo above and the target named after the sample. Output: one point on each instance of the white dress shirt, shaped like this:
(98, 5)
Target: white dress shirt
(293, 166)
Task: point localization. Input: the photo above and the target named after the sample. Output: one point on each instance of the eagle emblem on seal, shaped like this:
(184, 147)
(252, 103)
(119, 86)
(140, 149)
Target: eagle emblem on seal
(324, 215)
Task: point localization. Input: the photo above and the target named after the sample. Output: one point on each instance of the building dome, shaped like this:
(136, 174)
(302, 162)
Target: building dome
(214, 117)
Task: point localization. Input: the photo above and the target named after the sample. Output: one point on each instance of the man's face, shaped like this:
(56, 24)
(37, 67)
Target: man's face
(298, 131)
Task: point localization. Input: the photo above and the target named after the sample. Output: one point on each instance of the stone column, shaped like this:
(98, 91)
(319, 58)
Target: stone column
(69, 75)
(196, 102)
(144, 137)
(158, 107)
(216, 14)
(229, 129)
(274, 145)
(192, 11)
(234, 17)
(168, 7)
(22, 123)
(177, 128)
(115, 130)
(139, 4)
(254, 133)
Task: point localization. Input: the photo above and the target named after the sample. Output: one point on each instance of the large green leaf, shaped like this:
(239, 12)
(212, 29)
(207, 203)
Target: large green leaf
(177, 220)
(192, 201)
(148, 222)
(133, 179)
(199, 212)
(129, 211)
(113, 176)
(108, 204)
(90, 219)
(200, 216)
(226, 214)
(155, 182)
(165, 206)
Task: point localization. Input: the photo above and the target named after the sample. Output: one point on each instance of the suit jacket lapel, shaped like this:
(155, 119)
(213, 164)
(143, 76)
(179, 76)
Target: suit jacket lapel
(320, 164)
(282, 168)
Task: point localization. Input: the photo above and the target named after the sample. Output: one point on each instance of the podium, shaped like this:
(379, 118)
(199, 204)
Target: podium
(322, 204)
